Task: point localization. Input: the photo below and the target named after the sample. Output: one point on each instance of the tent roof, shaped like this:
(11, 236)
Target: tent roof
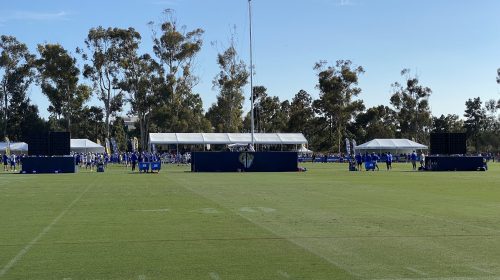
(382, 144)
(304, 150)
(86, 144)
(226, 138)
(14, 146)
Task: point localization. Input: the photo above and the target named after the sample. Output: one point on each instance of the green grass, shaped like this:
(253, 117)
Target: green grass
(326, 223)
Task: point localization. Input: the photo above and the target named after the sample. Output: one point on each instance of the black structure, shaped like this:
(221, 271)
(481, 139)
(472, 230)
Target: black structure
(49, 153)
(448, 144)
(59, 143)
(51, 144)
(455, 163)
(48, 165)
(447, 154)
(38, 144)
(244, 161)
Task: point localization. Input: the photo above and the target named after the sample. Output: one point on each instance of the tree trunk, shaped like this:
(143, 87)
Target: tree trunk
(143, 131)
(5, 106)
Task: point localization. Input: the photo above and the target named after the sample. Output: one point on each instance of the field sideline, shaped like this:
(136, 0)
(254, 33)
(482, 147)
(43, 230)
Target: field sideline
(326, 223)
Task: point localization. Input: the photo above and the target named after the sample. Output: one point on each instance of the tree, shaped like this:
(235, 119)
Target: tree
(23, 118)
(119, 133)
(59, 82)
(376, 122)
(475, 116)
(90, 123)
(107, 49)
(176, 50)
(448, 123)
(411, 101)
(16, 68)
(144, 82)
(226, 114)
(335, 107)
(301, 113)
(271, 115)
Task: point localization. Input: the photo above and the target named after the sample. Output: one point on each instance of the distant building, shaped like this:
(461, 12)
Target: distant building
(129, 122)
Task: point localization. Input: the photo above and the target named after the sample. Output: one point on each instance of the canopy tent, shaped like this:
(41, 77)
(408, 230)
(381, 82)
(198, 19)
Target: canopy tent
(390, 145)
(304, 151)
(14, 146)
(227, 138)
(85, 146)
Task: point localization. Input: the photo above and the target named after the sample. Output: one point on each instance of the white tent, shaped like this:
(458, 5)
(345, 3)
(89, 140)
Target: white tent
(14, 146)
(85, 146)
(390, 145)
(227, 138)
(304, 151)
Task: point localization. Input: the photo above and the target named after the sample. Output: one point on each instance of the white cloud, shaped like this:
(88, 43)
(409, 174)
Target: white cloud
(165, 2)
(346, 3)
(33, 16)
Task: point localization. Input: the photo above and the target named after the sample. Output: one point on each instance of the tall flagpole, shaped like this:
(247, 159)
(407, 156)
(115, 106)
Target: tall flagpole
(251, 73)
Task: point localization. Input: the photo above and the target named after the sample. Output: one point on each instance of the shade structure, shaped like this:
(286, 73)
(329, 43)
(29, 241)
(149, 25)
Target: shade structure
(400, 145)
(227, 138)
(14, 146)
(304, 151)
(85, 146)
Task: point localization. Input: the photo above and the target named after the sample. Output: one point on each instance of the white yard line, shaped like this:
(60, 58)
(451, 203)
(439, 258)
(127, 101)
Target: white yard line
(35, 240)
(283, 274)
(214, 276)
(291, 240)
(442, 278)
(481, 269)
(153, 210)
(414, 270)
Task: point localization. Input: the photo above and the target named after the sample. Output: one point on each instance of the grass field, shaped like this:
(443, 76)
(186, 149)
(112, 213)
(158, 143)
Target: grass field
(326, 223)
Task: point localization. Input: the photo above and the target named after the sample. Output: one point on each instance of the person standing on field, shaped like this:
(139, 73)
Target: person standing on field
(388, 161)
(5, 159)
(413, 158)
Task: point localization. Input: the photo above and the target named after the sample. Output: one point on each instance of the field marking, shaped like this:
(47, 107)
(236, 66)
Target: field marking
(214, 276)
(414, 270)
(284, 274)
(153, 210)
(142, 277)
(256, 209)
(481, 269)
(247, 210)
(266, 209)
(209, 211)
(318, 254)
(26, 248)
(442, 278)
(416, 213)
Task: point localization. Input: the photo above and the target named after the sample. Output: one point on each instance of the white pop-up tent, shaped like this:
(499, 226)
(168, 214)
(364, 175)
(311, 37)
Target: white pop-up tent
(304, 151)
(14, 146)
(85, 146)
(390, 145)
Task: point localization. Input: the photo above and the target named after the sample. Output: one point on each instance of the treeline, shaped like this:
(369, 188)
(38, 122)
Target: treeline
(158, 86)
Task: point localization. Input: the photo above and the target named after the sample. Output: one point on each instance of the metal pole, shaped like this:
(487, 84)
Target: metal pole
(251, 74)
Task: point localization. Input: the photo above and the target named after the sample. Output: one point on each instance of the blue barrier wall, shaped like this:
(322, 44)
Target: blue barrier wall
(244, 161)
(48, 165)
(448, 163)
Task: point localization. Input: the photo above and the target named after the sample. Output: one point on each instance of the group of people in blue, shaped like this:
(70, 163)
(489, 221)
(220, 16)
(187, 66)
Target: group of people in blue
(91, 161)
(371, 161)
(11, 161)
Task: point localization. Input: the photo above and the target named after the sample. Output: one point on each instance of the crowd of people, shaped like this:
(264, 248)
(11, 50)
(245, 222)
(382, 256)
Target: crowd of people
(11, 162)
(371, 161)
(90, 161)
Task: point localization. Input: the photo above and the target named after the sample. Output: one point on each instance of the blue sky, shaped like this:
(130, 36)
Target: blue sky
(453, 46)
